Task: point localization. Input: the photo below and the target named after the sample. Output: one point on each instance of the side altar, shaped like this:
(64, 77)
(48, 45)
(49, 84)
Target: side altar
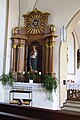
(38, 33)
(35, 32)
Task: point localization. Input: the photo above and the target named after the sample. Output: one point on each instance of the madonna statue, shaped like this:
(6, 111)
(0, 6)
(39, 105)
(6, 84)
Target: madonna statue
(33, 59)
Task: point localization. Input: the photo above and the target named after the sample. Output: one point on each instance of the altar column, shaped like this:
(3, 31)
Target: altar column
(46, 56)
(21, 57)
(13, 57)
(49, 55)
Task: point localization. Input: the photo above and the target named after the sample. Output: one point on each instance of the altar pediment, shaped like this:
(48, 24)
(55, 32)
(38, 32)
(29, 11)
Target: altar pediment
(36, 22)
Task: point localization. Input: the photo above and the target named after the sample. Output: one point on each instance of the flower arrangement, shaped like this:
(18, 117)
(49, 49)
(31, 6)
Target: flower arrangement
(50, 83)
(7, 79)
(31, 75)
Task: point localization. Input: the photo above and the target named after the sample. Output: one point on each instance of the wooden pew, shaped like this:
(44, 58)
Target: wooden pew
(9, 116)
(8, 112)
(38, 113)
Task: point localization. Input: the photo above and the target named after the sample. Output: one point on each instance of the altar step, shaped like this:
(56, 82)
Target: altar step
(73, 106)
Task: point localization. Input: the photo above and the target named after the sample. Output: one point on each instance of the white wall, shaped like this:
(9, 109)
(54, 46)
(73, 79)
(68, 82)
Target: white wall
(2, 32)
(2, 39)
(5, 36)
(63, 72)
(12, 22)
(1, 92)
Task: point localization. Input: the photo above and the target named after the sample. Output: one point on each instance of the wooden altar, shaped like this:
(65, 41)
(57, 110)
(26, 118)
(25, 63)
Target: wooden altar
(35, 32)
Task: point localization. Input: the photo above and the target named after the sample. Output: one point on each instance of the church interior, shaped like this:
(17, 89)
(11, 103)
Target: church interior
(40, 53)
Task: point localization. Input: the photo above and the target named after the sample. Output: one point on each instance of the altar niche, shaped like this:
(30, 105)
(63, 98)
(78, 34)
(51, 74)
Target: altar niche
(36, 57)
(42, 37)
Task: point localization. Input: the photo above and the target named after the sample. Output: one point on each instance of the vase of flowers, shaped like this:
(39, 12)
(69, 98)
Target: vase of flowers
(31, 75)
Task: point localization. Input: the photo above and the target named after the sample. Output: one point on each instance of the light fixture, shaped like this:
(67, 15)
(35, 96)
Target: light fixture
(63, 34)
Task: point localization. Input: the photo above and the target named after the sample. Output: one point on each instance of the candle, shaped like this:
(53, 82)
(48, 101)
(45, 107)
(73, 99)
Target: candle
(23, 72)
(39, 73)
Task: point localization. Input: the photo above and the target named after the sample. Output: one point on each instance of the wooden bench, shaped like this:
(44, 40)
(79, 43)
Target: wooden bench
(9, 116)
(38, 113)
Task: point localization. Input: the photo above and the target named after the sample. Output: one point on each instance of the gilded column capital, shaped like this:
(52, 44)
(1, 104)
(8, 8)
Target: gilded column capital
(20, 45)
(50, 44)
(14, 45)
